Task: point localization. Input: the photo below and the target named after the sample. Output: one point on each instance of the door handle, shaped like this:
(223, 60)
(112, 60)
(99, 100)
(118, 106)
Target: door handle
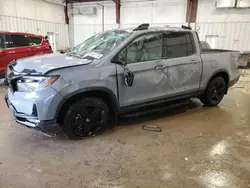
(12, 52)
(160, 67)
(193, 62)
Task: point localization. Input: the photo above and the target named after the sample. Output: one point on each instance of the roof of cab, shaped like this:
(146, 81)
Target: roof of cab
(165, 28)
(150, 29)
(19, 33)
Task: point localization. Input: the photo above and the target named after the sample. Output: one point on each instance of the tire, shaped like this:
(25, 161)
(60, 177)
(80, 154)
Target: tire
(214, 92)
(86, 118)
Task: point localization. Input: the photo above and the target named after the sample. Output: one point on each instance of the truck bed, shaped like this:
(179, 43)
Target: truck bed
(215, 59)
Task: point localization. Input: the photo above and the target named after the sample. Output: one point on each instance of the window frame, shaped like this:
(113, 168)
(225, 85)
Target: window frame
(192, 42)
(199, 41)
(14, 45)
(115, 58)
(162, 32)
(30, 38)
(7, 39)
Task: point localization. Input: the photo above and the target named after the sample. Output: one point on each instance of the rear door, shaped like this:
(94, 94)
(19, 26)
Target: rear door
(39, 45)
(22, 46)
(6, 52)
(144, 59)
(184, 64)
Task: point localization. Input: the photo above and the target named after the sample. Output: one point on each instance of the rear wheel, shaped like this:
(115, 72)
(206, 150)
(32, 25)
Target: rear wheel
(85, 118)
(215, 92)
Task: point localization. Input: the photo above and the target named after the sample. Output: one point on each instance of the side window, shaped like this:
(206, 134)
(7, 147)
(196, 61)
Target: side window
(5, 41)
(144, 48)
(36, 40)
(2, 41)
(20, 40)
(178, 44)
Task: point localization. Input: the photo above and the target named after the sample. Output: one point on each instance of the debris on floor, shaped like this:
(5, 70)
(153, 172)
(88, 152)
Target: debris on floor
(151, 128)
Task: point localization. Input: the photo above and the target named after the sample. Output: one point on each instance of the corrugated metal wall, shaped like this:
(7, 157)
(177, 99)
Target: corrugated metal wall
(226, 35)
(9, 23)
(84, 31)
(229, 35)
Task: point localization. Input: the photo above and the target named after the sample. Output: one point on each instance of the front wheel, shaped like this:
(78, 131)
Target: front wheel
(215, 92)
(85, 118)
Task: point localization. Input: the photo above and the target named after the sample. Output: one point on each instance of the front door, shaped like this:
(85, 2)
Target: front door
(21, 46)
(36, 47)
(143, 57)
(183, 62)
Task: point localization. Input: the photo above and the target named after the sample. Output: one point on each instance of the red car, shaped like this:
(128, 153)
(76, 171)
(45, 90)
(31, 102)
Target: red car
(16, 45)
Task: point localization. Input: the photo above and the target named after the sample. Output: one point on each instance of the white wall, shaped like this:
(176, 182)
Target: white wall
(207, 12)
(35, 16)
(83, 26)
(133, 13)
(34, 9)
(158, 11)
(224, 28)
(87, 25)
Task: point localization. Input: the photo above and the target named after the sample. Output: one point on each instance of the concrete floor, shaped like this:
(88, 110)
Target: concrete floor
(198, 147)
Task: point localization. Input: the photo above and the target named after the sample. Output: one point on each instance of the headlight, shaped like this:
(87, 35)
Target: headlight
(34, 83)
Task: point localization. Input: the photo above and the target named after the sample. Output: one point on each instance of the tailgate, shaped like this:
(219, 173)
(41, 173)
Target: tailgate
(234, 58)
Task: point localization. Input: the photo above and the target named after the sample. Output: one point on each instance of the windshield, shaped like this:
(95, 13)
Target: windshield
(99, 45)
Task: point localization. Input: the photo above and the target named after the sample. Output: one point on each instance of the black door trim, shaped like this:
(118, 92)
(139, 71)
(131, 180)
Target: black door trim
(174, 97)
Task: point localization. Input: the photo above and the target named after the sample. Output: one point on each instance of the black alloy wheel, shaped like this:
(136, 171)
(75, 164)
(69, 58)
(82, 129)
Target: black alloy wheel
(86, 118)
(215, 92)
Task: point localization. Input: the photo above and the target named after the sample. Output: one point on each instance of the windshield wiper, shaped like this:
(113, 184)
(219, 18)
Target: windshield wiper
(89, 57)
(74, 54)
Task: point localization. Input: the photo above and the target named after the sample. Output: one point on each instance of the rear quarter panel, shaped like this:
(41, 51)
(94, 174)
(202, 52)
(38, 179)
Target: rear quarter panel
(219, 62)
(43, 48)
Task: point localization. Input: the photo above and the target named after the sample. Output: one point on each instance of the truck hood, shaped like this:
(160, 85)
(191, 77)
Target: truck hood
(44, 63)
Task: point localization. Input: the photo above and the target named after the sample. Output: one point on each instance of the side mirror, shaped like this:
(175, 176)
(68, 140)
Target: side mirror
(128, 77)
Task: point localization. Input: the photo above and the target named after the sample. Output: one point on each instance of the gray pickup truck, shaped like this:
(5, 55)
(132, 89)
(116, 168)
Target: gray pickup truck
(113, 73)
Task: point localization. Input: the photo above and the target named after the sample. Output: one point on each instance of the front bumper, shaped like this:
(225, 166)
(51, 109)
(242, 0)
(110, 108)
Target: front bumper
(49, 128)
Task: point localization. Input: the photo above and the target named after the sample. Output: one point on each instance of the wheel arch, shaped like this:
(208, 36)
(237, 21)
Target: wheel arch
(223, 73)
(99, 92)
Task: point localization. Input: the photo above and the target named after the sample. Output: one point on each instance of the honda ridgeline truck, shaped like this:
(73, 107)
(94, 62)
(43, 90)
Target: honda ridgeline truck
(116, 72)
